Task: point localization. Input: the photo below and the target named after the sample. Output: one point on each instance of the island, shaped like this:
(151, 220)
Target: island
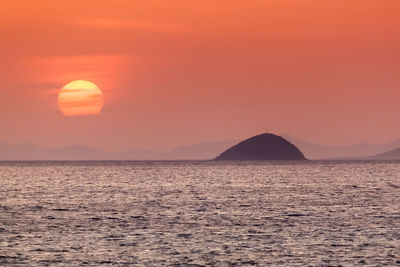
(265, 146)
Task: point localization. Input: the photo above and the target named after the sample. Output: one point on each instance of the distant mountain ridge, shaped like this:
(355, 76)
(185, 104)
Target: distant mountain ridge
(197, 151)
(32, 152)
(318, 151)
(389, 155)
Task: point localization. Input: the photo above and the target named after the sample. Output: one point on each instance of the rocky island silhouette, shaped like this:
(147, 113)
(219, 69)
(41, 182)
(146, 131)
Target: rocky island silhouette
(265, 146)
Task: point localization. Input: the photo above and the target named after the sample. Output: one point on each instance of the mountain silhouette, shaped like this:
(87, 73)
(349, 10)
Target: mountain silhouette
(32, 152)
(263, 147)
(196, 151)
(390, 155)
(319, 151)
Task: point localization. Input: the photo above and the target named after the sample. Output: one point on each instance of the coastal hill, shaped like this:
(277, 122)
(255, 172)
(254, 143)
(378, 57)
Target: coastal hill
(263, 147)
(390, 155)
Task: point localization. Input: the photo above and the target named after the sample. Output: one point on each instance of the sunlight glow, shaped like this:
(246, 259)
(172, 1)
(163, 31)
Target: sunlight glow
(79, 98)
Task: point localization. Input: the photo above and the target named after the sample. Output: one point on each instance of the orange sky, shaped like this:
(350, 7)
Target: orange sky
(180, 72)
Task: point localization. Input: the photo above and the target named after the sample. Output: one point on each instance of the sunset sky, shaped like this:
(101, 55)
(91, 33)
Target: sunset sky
(181, 72)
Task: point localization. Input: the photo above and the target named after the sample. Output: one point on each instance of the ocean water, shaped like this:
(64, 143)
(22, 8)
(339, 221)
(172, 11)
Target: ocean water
(200, 213)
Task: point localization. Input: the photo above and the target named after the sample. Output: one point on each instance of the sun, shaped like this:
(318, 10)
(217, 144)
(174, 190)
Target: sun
(79, 98)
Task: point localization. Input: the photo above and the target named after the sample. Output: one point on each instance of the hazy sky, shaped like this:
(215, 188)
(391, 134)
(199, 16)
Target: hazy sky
(180, 72)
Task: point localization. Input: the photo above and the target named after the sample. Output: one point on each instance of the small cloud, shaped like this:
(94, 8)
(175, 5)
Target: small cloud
(54, 72)
(144, 25)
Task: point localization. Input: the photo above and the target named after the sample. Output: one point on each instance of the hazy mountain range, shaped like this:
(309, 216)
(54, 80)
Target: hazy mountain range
(317, 151)
(197, 151)
(390, 155)
(204, 150)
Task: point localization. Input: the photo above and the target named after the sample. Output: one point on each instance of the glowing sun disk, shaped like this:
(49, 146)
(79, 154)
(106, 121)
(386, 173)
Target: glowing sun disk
(80, 98)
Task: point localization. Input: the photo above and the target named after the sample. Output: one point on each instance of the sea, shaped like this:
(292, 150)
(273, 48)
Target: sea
(200, 213)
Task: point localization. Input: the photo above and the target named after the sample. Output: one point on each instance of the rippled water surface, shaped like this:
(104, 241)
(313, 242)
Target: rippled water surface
(200, 213)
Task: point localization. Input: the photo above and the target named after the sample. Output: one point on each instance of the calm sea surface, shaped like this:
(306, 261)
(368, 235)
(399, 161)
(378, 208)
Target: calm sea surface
(201, 213)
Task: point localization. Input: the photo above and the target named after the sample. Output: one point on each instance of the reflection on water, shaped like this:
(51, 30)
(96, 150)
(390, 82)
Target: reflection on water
(201, 213)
